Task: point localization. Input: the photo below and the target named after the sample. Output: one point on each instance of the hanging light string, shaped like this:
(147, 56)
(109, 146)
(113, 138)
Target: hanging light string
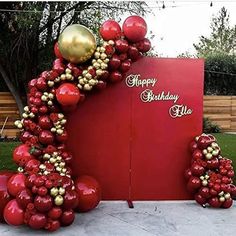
(163, 6)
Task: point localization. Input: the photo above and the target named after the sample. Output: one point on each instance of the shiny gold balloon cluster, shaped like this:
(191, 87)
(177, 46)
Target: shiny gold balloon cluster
(100, 60)
(57, 194)
(48, 98)
(66, 76)
(59, 125)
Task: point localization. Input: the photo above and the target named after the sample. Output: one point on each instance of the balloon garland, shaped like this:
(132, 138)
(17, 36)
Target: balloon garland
(43, 195)
(210, 175)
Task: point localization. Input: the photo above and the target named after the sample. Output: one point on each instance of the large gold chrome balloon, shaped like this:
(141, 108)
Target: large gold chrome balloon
(76, 43)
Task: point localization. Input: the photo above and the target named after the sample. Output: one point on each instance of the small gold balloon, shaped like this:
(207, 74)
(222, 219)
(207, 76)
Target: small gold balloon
(58, 200)
(76, 43)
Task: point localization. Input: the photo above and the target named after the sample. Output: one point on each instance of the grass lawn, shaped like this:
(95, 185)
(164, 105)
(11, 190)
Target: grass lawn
(6, 149)
(227, 143)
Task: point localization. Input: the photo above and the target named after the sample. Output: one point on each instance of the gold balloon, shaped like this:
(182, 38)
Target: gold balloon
(76, 43)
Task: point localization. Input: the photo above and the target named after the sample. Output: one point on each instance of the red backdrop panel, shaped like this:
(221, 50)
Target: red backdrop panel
(135, 148)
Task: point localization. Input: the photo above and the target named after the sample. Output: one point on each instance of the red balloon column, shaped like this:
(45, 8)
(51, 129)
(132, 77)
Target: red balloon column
(210, 175)
(44, 194)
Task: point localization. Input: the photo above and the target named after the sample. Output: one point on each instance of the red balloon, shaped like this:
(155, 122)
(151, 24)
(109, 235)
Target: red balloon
(197, 154)
(37, 221)
(121, 45)
(204, 192)
(24, 197)
(13, 214)
(4, 195)
(57, 51)
(144, 45)
(16, 184)
(110, 29)
(89, 192)
(200, 199)
(45, 122)
(67, 218)
(227, 203)
(114, 63)
(194, 183)
(41, 84)
(115, 76)
(43, 203)
(197, 170)
(135, 28)
(204, 141)
(125, 66)
(188, 174)
(32, 164)
(214, 202)
(67, 94)
(21, 155)
(193, 146)
(133, 53)
(62, 138)
(70, 200)
(46, 137)
(54, 225)
(55, 213)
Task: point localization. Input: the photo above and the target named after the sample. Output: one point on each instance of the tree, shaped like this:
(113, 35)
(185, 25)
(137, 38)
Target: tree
(222, 38)
(30, 29)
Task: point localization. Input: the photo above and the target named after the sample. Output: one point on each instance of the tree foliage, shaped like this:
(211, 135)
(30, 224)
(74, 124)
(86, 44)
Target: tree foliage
(28, 31)
(222, 38)
(219, 52)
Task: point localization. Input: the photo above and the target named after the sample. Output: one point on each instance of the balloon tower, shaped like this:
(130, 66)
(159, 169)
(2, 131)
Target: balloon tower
(210, 175)
(43, 194)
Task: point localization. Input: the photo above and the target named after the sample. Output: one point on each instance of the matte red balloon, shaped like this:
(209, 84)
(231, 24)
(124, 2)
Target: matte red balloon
(21, 155)
(4, 195)
(68, 94)
(89, 192)
(110, 29)
(13, 213)
(16, 184)
(135, 28)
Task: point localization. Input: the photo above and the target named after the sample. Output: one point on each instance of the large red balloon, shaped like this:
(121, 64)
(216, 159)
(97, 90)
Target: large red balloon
(16, 184)
(21, 155)
(13, 214)
(110, 30)
(68, 94)
(135, 28)
(4, 195)
(89, 192)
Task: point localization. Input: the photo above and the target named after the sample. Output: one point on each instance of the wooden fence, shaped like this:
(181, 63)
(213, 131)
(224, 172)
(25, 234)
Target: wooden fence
(220, 109)
(8, 114)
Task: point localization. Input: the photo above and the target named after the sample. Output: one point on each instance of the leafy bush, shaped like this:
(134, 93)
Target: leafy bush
(210, 127)
(220, 74)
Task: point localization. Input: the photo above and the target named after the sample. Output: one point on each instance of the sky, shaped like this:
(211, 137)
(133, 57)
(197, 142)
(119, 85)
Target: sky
(180, 24)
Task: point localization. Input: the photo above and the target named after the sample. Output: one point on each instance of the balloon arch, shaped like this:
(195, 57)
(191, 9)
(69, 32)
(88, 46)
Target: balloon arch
(43, 195)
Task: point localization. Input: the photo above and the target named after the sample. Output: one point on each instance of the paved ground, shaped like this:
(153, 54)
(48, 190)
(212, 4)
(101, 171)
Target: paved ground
(164, 218)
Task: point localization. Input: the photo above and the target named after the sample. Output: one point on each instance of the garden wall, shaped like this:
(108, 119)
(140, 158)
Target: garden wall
(219, 109)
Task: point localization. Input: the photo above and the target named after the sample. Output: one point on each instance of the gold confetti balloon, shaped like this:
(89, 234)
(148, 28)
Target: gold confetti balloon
(76, 43)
